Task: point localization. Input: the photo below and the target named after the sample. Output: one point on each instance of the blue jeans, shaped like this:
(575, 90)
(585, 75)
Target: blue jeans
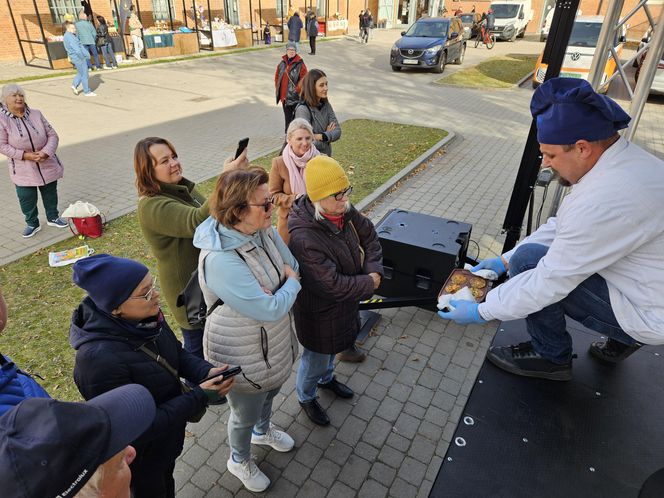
(314, 368)
(82, 75)
(588, 304)
(109, 55)
(92, 48)
(249, 412)
(193, 341)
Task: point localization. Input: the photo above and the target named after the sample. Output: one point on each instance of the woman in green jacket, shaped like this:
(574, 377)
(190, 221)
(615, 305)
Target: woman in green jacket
(169, 210)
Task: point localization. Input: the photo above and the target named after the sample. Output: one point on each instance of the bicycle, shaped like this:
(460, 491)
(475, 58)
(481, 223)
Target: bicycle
(485, 36)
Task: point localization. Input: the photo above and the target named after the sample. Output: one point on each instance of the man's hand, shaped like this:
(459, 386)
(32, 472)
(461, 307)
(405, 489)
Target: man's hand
(376, 279)
(464, 312)
(494, 264)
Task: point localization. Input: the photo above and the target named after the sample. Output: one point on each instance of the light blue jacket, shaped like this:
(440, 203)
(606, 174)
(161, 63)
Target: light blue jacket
(86, 32)
(75, 50)
(229, 277)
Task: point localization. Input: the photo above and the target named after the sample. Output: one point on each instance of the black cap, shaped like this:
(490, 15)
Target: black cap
(52, 448)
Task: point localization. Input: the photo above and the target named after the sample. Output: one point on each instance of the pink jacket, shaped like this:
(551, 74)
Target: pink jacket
(31, 133)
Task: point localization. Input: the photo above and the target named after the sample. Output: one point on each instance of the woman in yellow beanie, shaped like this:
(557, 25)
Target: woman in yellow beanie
(341, 263)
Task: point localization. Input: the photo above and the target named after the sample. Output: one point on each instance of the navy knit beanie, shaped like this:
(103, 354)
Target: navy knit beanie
(108, 280)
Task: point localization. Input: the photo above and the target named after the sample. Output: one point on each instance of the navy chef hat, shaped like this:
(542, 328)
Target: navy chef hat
(568, 109)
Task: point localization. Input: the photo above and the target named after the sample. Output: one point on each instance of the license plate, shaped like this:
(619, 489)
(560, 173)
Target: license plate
(414, 62)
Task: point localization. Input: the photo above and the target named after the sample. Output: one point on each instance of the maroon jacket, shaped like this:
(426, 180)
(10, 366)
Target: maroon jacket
(333, 279)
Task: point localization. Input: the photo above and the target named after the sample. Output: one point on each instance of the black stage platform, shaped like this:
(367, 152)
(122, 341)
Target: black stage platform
(599, 435)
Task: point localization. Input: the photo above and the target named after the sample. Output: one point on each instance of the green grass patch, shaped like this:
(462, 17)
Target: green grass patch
(496, 72)
(41, 298)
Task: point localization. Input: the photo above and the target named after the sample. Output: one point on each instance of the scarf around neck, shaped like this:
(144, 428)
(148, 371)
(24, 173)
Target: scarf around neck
(296, 165)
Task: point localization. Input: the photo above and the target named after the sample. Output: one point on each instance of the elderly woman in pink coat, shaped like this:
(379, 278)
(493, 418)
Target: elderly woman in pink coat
(29, 142)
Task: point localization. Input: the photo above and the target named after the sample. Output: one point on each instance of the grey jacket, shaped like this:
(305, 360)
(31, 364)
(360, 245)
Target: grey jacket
(320, 118)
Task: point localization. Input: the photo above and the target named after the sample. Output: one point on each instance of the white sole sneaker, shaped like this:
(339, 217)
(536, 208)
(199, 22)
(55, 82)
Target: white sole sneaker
(75, 90)
(276, 439)
(91, 94)
(248, 472)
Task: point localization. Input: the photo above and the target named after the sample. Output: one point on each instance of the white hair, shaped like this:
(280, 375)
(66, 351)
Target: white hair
(298, 124)
(92, 488)
(9, 89)
(319, 211)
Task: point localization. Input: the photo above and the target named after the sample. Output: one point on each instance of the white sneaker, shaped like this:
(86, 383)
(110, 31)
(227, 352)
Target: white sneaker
(90, 94)
(75, 90)
(249, 473)
(275, 438)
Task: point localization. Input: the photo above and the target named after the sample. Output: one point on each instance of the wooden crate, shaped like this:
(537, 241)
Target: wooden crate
(185, 43)
(243, 37)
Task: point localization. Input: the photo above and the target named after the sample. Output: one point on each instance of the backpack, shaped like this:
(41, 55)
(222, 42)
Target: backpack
(193, 301)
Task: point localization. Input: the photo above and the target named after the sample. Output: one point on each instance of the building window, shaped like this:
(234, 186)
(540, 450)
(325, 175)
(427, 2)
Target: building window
(321, 8)
(231, 13)
(280, 7)
(160, 10)
(63, 9)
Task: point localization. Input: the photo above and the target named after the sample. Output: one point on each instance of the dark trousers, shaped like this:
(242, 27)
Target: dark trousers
(312, 44)
(588, 304)
(27, 198)
(193, 341)
(289, 114)
(153, 483)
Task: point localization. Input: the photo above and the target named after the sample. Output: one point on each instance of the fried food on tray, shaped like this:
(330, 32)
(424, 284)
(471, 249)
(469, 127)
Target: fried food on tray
(477, 293)
(458, 279)
(452, 288)
(477, 283)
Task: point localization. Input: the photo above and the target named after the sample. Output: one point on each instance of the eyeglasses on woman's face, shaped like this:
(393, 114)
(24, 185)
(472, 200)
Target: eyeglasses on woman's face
(266, 205)
(340, 196)
(148, 295)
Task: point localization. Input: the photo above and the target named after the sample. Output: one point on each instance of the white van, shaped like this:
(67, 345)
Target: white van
(512, 18)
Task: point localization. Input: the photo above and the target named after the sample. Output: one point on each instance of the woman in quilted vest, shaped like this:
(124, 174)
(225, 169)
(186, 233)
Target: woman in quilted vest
(29, 142)
(245, 263)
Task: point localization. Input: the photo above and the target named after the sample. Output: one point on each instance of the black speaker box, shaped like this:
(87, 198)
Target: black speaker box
(419, 252)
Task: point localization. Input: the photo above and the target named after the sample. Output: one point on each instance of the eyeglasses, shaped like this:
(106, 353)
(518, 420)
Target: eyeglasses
(266, 205)
(339, 196)
(148, 295)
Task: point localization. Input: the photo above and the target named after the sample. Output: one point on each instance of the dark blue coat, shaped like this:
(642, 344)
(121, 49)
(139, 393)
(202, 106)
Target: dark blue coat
(15, 386)
(107, 357)
(295, 28)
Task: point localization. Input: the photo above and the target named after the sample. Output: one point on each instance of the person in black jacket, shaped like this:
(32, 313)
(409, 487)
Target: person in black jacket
(105, 43)
(312, 31)
(287, 80)
(121, 337)
(295, 26)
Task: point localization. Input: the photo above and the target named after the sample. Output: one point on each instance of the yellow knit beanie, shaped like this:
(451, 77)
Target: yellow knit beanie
(323, 177)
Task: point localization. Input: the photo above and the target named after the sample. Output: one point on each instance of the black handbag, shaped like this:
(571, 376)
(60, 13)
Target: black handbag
(193, 301)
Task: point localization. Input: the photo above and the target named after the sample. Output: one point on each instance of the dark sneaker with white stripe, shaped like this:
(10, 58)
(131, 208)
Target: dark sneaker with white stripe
(58, 223)
(612, 351)
(522, 359)
(30, 231)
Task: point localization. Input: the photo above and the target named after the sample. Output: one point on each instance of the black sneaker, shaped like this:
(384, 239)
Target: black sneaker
(341, 390)
(612, 351)
(315, 412)
(522, 359)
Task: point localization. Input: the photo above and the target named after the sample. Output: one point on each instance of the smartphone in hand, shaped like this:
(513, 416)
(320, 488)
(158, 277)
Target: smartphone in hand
(225, 374)
(241, 145)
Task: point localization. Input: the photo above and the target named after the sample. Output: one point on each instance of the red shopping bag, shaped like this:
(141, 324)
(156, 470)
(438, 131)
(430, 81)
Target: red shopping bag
(89, 226)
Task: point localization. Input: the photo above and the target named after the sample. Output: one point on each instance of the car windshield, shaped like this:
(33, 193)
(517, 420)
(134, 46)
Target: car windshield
(585, 34)
(430, 29)
(467, 18)
(505, 11)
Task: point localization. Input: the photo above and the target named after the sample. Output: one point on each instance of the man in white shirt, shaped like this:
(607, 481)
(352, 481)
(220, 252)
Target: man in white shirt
(601, 260)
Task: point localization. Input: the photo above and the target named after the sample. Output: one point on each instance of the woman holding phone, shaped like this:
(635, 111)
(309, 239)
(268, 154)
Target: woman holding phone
(121, 337)
(169, 210)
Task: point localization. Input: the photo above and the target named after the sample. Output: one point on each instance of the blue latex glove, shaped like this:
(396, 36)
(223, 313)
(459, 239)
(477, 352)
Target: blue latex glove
(494, 264)
(464, 313)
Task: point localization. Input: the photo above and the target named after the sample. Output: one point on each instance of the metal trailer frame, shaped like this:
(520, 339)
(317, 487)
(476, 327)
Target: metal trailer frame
(554, 53)
(21, 41)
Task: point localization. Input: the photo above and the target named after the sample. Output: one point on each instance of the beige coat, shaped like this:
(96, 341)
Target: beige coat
(282, 194)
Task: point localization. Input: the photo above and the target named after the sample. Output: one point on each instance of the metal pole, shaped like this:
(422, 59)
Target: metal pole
(170, 15)
(251, 23)
(260, 21)
(184, 14)
(281, 2)
(646, 76)
(604, 42)
(41, 28)
(210, 24)
(120, 29)
(18, 37)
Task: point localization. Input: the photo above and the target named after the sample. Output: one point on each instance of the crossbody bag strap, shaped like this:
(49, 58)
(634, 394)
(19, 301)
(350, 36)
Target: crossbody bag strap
(162, 361)
(359, 245)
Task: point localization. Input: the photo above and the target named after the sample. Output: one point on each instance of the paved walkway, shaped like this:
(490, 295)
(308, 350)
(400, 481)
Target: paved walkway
(390, 439)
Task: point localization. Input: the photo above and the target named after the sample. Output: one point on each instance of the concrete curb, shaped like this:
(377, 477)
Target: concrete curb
(524, 79)
(365, 203)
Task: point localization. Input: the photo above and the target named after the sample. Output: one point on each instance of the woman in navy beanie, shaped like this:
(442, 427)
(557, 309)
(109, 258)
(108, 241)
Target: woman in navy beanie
(121, 337)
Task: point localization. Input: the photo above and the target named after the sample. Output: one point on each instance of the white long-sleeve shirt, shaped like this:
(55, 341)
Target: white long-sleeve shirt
(611, 223)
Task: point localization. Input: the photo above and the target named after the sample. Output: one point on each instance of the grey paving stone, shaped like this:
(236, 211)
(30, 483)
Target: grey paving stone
(412, 471)
(431, 431)
(205, 477)
(213, 438)
(423, 350)
(372, 489)
(366, 451)
(408, 375)
(398, 442)
(391, 456)
(376, 391)
(340, 490)
(436, 416)
(382, 473)
(390, 409)
(216, 492)
(296, 473)
(278, 459)
(417, 361)
(421, 395)
(358, 382)
(230, 482)
(450, 386)
(196, 456)
(325, 472)
(338, 452)
(377, 432)
(422, 449)
(385, 377)
(190, 491)
(402, 348)
(311, 489)
(414, 410)
(399, 391)
(433, 468)
(182, 474)
(379, 354)
(430, 338)
(351, 431)
(447, 345)
(385, 343)
(430, 378)
(394, 361)
(456, 373)
(443, 400)
(425, 489)
(282, 488)
(406, 425)
(339, 411)
(365, 408)
(308, 454)
(322, 436)
(401, 489)
(439, 361)
(370, 366)
(354, 472)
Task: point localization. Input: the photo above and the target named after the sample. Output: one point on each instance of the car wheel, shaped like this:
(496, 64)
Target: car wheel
(459, 59)
(513, 37)
(523, 33)
(441, 64)
(396, 68)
